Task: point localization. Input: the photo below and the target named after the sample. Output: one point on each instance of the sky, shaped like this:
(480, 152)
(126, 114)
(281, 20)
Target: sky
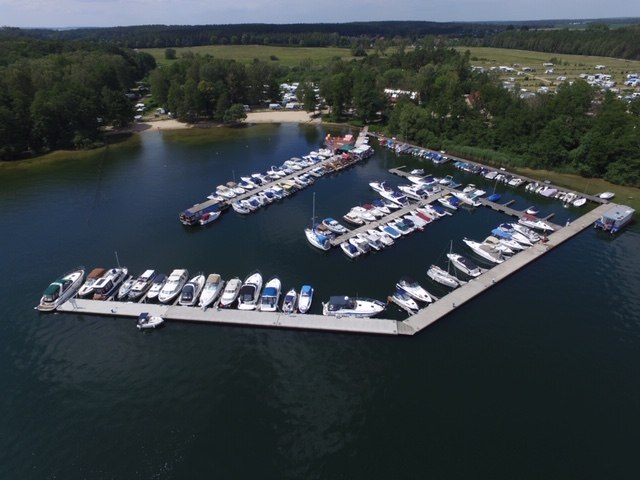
(109, 13)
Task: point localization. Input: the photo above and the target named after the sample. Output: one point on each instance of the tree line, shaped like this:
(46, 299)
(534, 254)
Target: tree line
(597, 40)
(56, 95)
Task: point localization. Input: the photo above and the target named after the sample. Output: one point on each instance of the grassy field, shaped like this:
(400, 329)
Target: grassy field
(288, 56)
(570, 66)
(625, 195)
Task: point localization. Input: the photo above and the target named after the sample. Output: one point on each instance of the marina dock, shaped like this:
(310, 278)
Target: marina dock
(380, 326)
(476, 286)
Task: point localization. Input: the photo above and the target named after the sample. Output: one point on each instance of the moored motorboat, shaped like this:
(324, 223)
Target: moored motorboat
(615, 218)
(535, 223)
(606, 195)
(383, 236)
(353, 219)
(361, 244)
(345, 306)
(305, 298)
(108, 285)
(414, 289)
(290, 301)
(390, 230)
(86, 290)
(488, 252)
(270, 295)
(213, 287)
(61, 289)
(156, 286)
(465, 264)
(350, 250)
(142, 284)
(173, 285)
(209, 217)
(525, 237)
(334, 226)
(250, 292)
(404, 300)
(230, 293)
(146, 321)
(191, 290)
(125, 288)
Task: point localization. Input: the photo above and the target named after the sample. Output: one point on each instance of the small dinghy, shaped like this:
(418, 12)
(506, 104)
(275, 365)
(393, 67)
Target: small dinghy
(146, 321)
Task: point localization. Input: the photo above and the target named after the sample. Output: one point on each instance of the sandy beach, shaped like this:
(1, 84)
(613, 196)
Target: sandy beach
(269, 116)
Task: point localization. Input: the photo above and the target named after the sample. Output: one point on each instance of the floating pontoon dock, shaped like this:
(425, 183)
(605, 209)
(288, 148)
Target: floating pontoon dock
(411, 326)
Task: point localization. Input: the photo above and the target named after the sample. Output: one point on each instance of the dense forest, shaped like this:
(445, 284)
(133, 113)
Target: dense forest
(597, 39)
(56, 94)
(579, 129)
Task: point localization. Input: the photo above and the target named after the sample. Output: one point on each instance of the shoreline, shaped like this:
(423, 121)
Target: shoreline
(267, 116)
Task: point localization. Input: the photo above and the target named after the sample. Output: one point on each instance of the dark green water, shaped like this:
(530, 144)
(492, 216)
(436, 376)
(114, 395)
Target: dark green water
(537, 378)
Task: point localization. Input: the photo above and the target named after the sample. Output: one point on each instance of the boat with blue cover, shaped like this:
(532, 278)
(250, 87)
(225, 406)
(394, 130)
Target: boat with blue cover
(305, 298)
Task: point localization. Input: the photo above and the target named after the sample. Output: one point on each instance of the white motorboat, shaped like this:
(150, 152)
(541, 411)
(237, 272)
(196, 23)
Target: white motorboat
(334, 226)
(413, 191)
(108, 285)
(213, 287)
(353, 219)
(375, 211)
(443, 277)
(380, 187)
(225, 192)
(580, 201)
(276, 171)
(363, 214)
(156, 286)
(173, 285)
(402, 226)
(270, 295)
(526, 231)
(61, 290)
(237, 189)
(86, 290)
(146, 321)
(606, 195)
(374, 239)
(449, 201)
(230, 292)
(383, 206)
(250, 292)
(414, 289)
(465, 265)
(241, 207)
(290, 301)
(361, 244)
(191, 291)
(383, 236)
(209, 217)
(344, 306)
(532, 210)
(534, 222)
(507, 240)
(467, 198)
(417, 221)
(524, 239)
(350, 250)
(403, 299)
(497, 244)
(125, 288)
(390, 230)
(396, 197)
(142, 284)
(305, 298)
(485, 251)
(389, 204)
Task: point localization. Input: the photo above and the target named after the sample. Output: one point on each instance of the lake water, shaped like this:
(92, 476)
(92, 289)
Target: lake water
(536, 378)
